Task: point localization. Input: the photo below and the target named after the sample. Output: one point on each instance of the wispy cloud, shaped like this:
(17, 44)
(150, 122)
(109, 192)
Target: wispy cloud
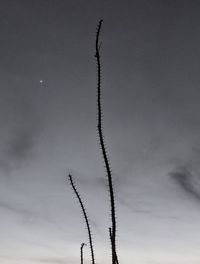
(13, 208)
(188, 180)
(19, 147)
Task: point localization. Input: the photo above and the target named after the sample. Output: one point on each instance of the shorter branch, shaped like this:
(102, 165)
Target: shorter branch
(82, 245)
(85, 217)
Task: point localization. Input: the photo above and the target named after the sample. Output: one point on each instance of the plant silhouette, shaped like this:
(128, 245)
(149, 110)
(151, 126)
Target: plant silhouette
(85, 217)
(82, 245)
(112, 229)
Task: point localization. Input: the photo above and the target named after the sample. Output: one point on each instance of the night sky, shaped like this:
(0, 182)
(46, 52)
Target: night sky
(150, 52)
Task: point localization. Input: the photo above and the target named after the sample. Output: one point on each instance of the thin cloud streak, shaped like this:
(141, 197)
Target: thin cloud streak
(189, 182)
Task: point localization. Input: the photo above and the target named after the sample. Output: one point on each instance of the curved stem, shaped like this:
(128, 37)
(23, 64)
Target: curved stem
(85, 217)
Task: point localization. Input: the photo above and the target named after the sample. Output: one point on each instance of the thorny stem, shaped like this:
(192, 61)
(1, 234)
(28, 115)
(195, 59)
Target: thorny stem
(101, 139)
(111, 240)
(85, 217)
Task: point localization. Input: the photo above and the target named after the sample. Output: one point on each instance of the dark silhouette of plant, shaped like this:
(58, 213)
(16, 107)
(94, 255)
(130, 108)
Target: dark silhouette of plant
(82, 245)
(85, 217)
(111, 240)
(112, 229)
(103, 148)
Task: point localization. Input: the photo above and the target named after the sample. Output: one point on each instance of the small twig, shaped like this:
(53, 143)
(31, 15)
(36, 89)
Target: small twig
(82, 245)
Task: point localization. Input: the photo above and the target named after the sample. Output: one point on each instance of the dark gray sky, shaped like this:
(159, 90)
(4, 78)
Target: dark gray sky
(151, 59)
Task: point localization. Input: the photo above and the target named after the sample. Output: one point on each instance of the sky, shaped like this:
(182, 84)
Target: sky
(150, 52)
